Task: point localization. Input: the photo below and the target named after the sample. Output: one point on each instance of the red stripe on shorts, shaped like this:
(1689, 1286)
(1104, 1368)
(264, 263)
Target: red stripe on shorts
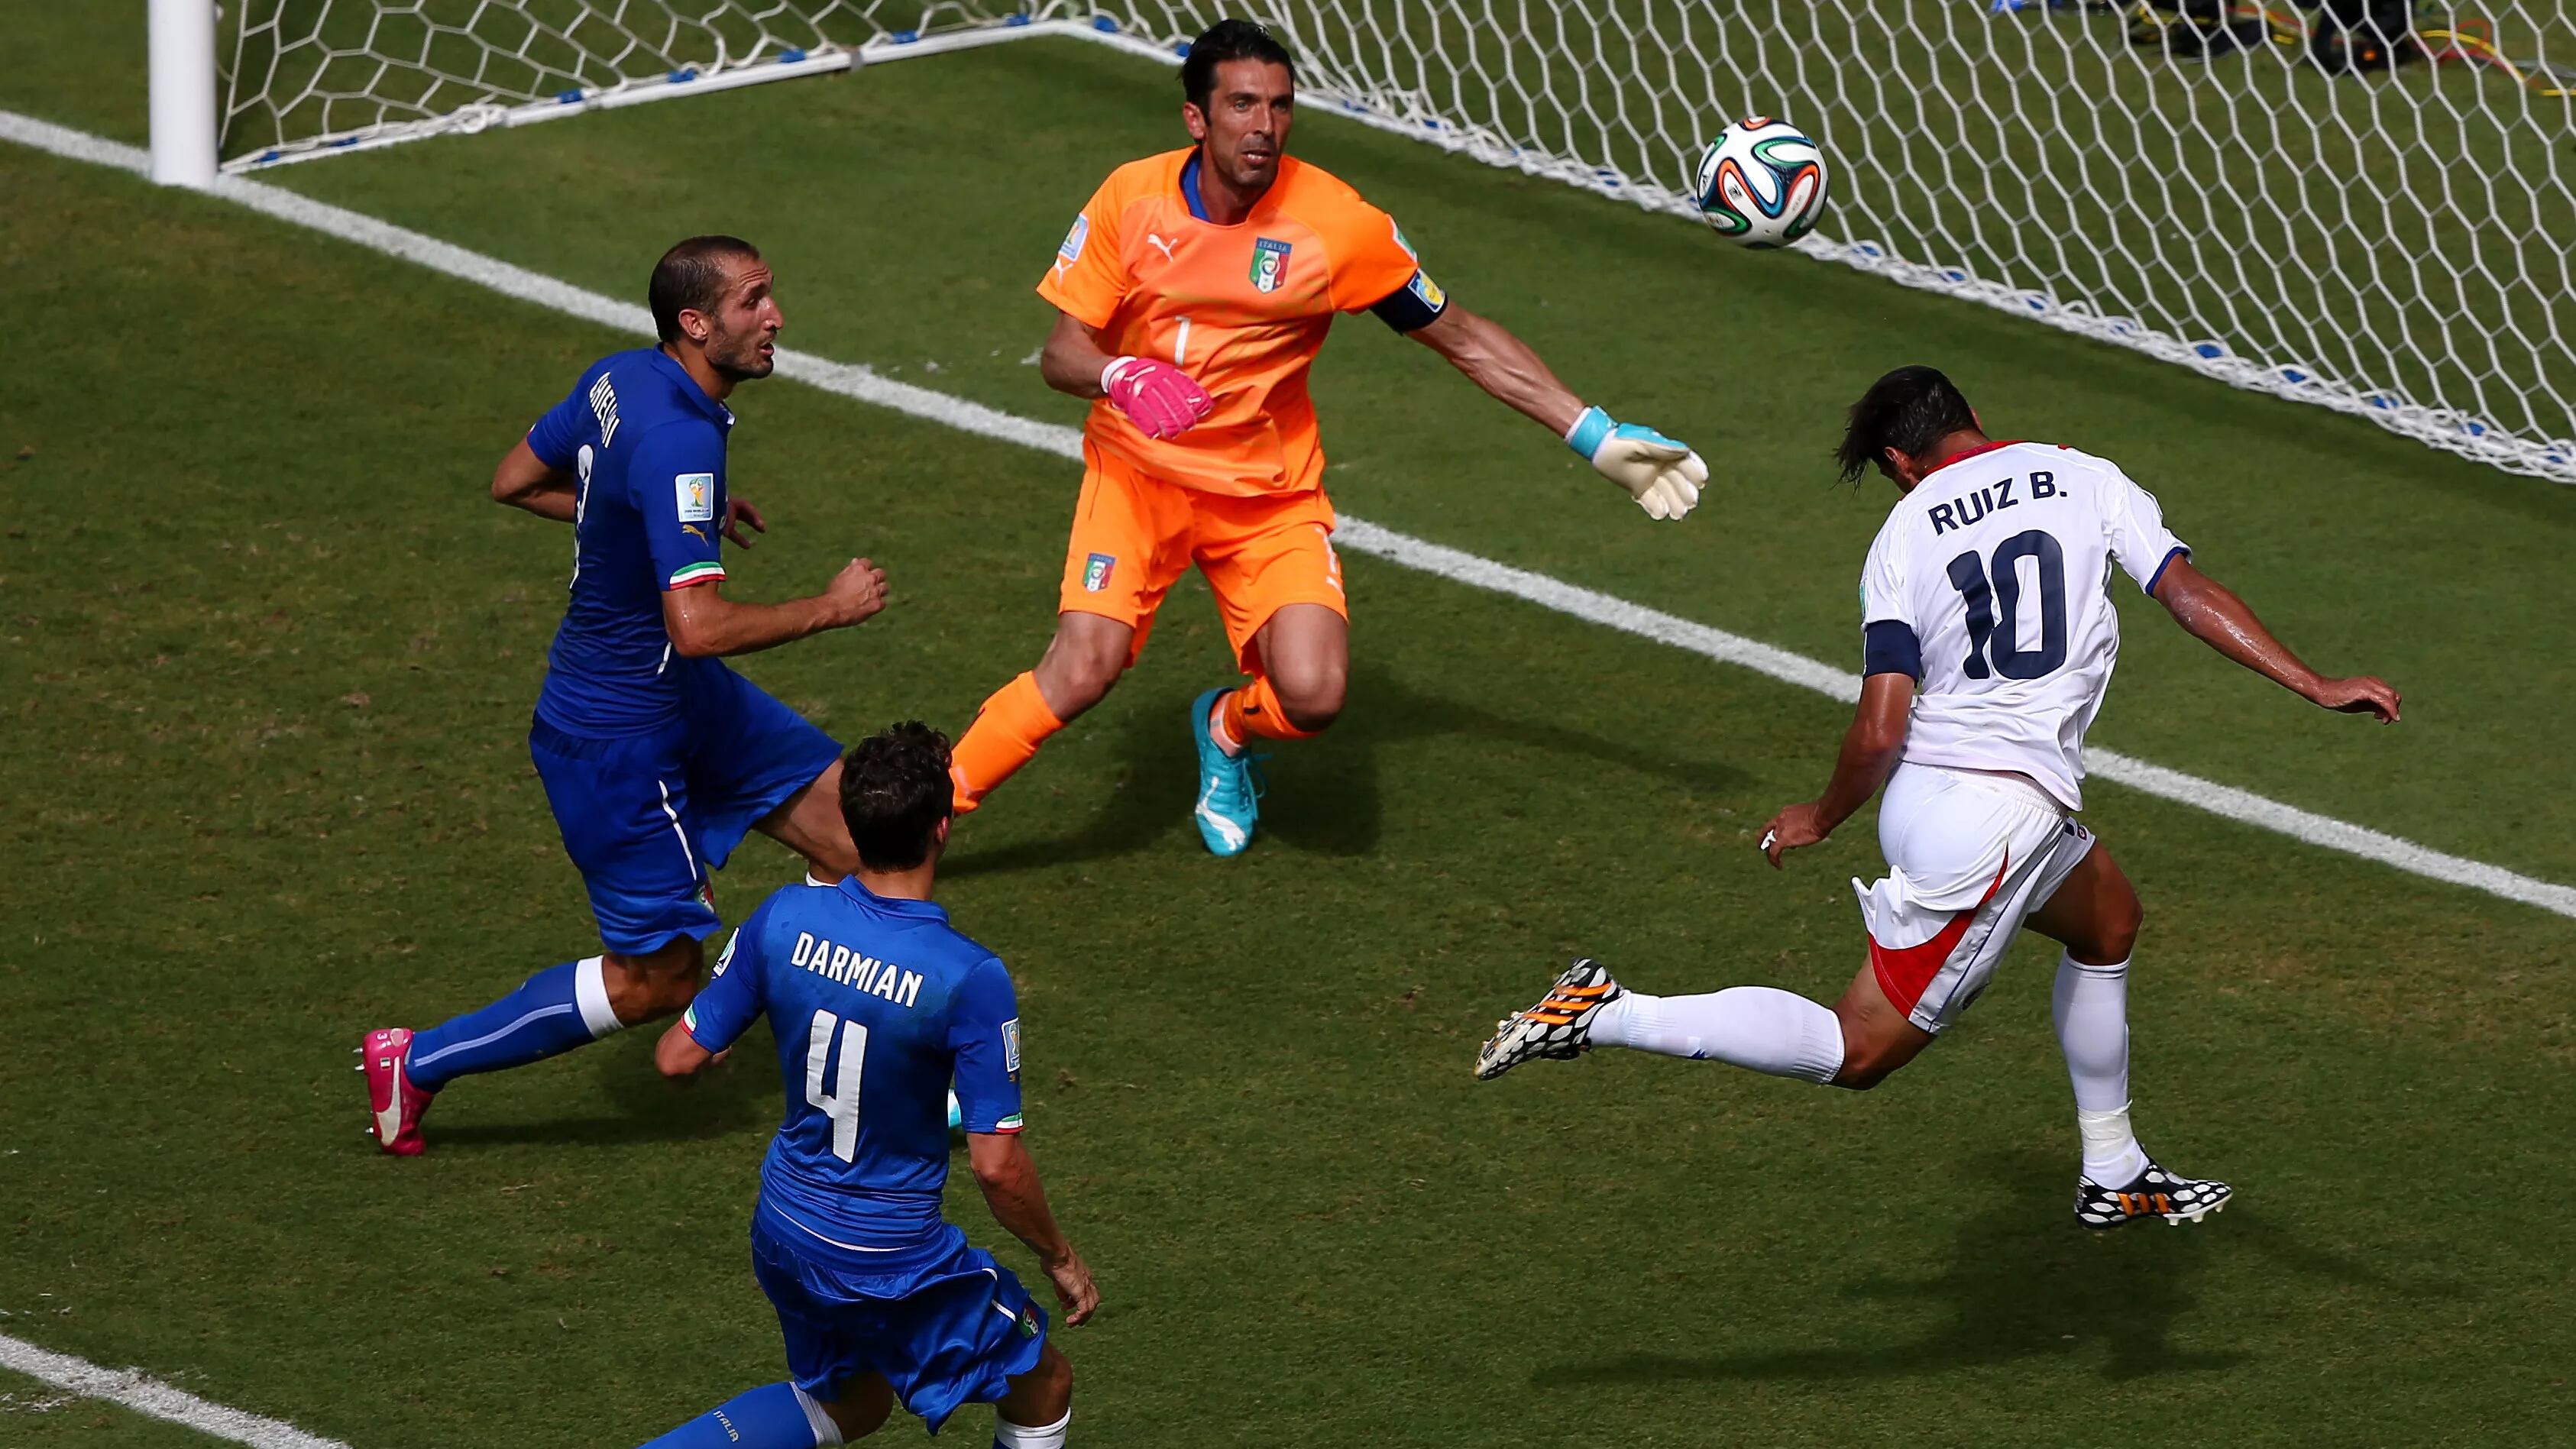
(1904, 971)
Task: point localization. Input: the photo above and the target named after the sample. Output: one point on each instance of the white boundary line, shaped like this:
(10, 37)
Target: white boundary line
(1357, 535)
(144, 1395)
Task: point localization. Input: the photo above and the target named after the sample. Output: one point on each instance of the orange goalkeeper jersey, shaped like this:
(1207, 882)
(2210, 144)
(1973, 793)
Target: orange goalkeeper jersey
(1243, 309)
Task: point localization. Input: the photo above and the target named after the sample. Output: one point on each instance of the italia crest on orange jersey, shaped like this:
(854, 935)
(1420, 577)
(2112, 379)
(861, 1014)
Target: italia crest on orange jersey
(1269, 264)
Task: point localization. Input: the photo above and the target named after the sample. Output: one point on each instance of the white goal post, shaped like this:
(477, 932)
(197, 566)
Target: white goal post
(2397, 243)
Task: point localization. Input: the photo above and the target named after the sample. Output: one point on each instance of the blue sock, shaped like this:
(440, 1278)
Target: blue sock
(552, 1012)
(769, 1417)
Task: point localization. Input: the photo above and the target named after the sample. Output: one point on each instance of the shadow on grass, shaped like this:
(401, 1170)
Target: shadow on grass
(1327, 796)
(737, 1096)
(2024, 1282)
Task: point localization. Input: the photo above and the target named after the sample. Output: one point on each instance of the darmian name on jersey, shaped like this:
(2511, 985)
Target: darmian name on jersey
(857, 971)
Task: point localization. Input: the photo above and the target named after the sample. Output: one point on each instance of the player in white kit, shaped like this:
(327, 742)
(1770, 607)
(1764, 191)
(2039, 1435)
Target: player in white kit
(1988, 641)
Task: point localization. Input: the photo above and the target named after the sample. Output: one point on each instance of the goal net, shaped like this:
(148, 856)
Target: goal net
(2393, 243)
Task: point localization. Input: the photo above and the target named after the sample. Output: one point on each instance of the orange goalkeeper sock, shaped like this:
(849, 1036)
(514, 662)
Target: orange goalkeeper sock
(1253, 709)
(1006, 735)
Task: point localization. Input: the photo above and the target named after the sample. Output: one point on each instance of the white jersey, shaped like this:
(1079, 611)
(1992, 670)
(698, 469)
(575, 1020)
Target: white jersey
(1991, 580)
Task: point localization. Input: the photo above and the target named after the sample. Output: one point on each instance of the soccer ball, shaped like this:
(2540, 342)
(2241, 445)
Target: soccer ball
(1761, 184)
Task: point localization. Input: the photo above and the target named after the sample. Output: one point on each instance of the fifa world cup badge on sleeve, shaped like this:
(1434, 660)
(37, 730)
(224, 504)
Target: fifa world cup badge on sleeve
(1011, 1046)
(1269, 264)
(697, 497)
(1069, 250)
(1095, 572)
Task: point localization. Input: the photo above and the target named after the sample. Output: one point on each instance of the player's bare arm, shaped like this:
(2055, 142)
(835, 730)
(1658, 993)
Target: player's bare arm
(1663, 475)
(1073, 359)
(1009, 1178)
(1870, 751)
(2212, 613)
(704, 624)
(1503, 365)
(1163, 400)
(679, 1057)
(523, 480)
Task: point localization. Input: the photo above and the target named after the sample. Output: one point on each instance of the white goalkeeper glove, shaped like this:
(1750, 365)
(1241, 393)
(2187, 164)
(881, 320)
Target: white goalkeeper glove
(1664, 476)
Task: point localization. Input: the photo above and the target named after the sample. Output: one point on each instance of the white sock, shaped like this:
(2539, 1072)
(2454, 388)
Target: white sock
(1761, 1028)
(1008, 1435)
(827, 1435)
(2091, 1004)
(590, 993)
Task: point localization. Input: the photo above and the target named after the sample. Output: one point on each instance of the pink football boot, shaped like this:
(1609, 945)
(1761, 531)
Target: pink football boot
(396, 1104)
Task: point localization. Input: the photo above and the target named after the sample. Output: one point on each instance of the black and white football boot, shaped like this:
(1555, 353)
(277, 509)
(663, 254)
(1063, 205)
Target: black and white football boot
(2156, 1194)
(1558, 1028)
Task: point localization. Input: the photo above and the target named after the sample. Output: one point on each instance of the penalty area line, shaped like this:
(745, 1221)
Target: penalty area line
(133, 1389)
(1355, 535)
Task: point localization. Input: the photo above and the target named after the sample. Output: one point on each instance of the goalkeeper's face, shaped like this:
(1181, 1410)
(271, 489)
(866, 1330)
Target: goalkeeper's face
(742, 330)
(1243, 131)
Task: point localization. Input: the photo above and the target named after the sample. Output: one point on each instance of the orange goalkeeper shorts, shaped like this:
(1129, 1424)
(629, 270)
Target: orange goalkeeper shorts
(1135, 535)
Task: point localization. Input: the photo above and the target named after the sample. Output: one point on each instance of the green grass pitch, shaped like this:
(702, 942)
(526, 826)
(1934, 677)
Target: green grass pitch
(269, 652)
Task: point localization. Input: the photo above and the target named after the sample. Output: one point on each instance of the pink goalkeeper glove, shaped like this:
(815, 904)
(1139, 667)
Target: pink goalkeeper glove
(1155, 396)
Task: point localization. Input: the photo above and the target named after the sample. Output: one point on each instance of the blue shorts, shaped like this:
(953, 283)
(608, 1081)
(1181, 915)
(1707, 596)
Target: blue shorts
(646, 817)
(954, 1332)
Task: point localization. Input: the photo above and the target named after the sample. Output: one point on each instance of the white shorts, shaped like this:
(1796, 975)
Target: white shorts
(1969, 857)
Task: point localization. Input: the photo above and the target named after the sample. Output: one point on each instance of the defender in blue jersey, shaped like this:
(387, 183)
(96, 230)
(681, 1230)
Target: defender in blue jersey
(876, 1003)
(656, 758)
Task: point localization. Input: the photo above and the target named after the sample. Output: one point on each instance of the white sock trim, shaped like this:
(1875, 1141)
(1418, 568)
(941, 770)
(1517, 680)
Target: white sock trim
(1021, 1436)
(827, 1435)
(590, 992)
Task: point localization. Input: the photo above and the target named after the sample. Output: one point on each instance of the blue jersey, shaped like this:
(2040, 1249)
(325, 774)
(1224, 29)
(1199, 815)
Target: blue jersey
(646, 447)
(876, 1005)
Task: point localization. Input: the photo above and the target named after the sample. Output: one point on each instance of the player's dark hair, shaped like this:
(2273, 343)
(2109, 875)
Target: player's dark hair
(894, 792)
(1909, 410)
(691, 278)
(1229, 40)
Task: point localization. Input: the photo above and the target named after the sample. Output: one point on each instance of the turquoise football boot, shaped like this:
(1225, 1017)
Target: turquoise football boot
(1229, 800)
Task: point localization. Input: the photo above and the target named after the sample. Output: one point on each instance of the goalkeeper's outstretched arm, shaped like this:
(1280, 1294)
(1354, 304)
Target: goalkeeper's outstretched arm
(1503, 365)
(1663, 475)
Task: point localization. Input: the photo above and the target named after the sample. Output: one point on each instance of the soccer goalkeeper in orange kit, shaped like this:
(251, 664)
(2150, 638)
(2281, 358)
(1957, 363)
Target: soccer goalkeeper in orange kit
(1195, 289)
